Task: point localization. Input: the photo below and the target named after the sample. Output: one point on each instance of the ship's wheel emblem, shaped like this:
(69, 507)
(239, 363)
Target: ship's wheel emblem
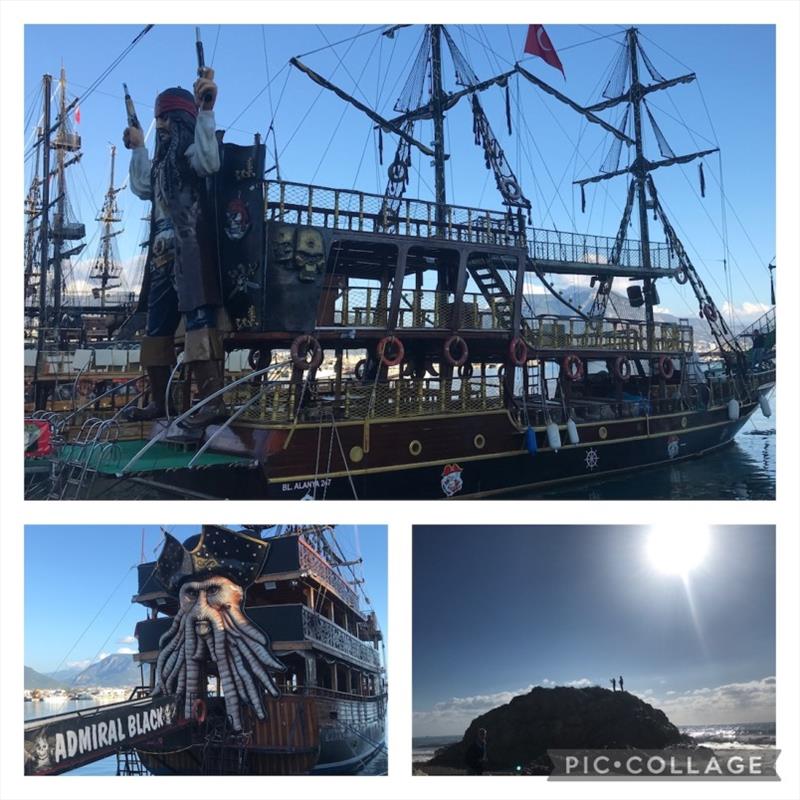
(592, 458)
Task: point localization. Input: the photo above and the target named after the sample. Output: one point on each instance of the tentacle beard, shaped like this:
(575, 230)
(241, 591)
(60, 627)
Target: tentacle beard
(211, 626)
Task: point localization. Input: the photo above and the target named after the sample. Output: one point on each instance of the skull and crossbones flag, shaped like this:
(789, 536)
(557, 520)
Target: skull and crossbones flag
(538, 43)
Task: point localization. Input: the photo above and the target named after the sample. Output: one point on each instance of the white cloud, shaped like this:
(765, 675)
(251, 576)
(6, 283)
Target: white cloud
(126, 639)
(746, 312)
(453, 716)
(126, 651)
(752, 701)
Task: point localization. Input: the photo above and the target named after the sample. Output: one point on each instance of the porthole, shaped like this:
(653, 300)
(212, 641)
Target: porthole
(684, 422)
(603, 432)
(479, 441)
(415, 447)
(356, 454)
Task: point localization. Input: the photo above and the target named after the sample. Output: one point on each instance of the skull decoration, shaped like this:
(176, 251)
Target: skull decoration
(283, 246)
(309, 255)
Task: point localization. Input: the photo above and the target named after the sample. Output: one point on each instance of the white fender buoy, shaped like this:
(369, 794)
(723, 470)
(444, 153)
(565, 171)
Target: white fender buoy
(553, 436)
(572, 432)
(766, 408)
(733, 409)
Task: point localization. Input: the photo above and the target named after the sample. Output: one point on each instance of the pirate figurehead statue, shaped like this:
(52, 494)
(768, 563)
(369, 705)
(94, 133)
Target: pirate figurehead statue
(182, 276)
(209, 575)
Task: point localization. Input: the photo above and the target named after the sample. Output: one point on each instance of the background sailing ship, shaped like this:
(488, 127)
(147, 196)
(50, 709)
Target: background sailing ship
(414, 347)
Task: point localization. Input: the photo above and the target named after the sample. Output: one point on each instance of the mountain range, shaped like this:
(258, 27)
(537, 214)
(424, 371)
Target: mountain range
(114, 671)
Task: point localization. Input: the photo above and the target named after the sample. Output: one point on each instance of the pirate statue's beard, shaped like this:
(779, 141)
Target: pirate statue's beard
(210, 626)
(169, 164)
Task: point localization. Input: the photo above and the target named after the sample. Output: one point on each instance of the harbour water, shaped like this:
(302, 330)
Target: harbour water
(748, 735)
(744, 470)
(378, 765)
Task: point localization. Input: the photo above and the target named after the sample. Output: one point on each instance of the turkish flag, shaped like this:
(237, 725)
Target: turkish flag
(78, 114)
(538, 43)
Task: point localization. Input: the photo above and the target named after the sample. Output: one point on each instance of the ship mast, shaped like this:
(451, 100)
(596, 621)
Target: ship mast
(44, 228)
(33, 210)
(437, 113)
(106, 267)
(639, 171)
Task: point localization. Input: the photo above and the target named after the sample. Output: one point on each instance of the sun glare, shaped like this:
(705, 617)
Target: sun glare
(677, 551)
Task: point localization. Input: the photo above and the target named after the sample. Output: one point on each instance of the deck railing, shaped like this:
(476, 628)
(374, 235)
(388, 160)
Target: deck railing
(321, 630)
(553, 332)
(312, 561)
(362, 212)
(367, 307)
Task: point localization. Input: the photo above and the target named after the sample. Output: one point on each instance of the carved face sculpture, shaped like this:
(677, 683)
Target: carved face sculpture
(283, 246)
(309, 255)
(211, 626)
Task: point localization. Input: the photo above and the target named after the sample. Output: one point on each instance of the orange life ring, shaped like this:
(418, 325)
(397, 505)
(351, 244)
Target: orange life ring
(302, 346)
(622, 368)
(572, 367)
(461, 349)
(517, 351)
(199, 711)
(666, 369)
(399, 351)
(709, 312)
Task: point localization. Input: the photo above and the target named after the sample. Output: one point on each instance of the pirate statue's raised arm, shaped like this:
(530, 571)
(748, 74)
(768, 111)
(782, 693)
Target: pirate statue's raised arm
(182, 278)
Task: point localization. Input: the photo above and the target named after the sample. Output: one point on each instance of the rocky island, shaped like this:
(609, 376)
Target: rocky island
(520, 733)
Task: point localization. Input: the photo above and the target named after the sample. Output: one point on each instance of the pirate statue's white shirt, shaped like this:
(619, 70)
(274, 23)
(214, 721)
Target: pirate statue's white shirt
(203, 157)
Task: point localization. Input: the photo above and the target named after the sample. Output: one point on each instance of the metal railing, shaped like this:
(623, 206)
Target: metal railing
(367, 307)
(555, 332)
(583, 248)
(323, 631)
(362, 212)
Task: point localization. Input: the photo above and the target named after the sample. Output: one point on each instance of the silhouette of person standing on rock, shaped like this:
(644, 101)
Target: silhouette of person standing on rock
(476, 757)
(621, 684)
(613, 684)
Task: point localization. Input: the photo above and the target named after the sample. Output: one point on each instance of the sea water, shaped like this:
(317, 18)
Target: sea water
(740, 736)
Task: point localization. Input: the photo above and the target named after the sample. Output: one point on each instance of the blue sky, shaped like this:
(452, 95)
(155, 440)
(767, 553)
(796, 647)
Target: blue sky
(322, 140)
(498, 610)
(71, 571)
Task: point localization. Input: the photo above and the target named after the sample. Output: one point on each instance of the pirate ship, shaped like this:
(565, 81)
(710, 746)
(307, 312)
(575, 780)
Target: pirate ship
(257, 657)
(443, 377)
(72, 348)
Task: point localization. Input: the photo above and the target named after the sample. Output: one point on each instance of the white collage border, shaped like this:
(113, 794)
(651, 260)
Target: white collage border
(784, 512)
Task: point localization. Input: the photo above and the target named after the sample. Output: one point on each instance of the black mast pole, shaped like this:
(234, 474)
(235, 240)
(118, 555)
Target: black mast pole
(438, 125)
(640, 174)
(61, 208)
(44, 232)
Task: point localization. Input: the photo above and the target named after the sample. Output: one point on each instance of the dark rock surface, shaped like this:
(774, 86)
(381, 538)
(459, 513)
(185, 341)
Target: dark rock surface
(521, 732)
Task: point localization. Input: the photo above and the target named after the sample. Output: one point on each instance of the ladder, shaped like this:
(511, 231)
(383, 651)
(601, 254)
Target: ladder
(129, 763)
(73, 476)
(494, 289)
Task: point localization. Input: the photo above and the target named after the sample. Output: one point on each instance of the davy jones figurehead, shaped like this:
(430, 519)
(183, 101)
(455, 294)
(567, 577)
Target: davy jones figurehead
(181, 288)
(210, 574)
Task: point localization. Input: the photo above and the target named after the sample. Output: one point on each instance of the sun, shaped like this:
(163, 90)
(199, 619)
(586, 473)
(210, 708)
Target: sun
(678, 551)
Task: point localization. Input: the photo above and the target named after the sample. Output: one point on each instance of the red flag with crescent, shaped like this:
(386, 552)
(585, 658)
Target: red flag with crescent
(538, 43)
